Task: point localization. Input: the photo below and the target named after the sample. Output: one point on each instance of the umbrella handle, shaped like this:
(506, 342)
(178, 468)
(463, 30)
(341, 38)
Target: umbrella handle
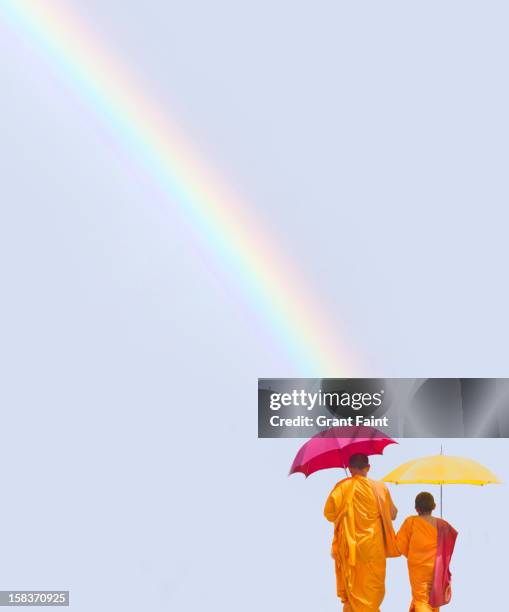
(343, 460)
(441, 495)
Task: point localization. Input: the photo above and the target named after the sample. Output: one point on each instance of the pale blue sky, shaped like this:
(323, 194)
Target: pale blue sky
(373, 138)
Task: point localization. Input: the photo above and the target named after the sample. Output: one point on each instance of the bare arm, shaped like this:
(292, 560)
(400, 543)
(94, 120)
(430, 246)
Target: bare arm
(394, 511)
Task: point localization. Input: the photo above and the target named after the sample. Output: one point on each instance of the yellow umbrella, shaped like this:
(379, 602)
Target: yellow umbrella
(442, 469)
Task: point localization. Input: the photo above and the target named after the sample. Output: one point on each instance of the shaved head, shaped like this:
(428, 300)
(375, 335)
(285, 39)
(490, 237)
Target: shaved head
(424, 503)
(358, 462)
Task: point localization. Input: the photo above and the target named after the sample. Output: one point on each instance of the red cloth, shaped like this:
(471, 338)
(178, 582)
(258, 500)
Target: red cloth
(441, 587)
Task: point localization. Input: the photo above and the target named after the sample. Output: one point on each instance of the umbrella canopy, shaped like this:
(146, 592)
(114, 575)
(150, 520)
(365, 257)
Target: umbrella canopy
(442, 469)
(333, 448)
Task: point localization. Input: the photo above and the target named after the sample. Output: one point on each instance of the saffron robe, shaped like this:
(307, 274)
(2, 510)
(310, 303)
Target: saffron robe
(360, 509)
(428, 561)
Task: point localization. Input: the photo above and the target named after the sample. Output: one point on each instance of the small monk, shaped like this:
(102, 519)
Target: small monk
(427, 543)
(362, 512)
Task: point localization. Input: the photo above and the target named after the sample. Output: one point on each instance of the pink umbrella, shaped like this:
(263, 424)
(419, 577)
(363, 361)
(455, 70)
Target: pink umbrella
(334, 447)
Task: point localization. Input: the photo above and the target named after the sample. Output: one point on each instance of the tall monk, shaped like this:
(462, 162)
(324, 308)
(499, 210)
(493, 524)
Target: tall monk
(428, 544)
(362, 512)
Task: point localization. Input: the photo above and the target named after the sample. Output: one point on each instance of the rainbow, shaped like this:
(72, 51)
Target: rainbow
(239, 242)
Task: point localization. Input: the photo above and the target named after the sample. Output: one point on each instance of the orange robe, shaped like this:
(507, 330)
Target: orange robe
(417, 540)
(360, 509)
